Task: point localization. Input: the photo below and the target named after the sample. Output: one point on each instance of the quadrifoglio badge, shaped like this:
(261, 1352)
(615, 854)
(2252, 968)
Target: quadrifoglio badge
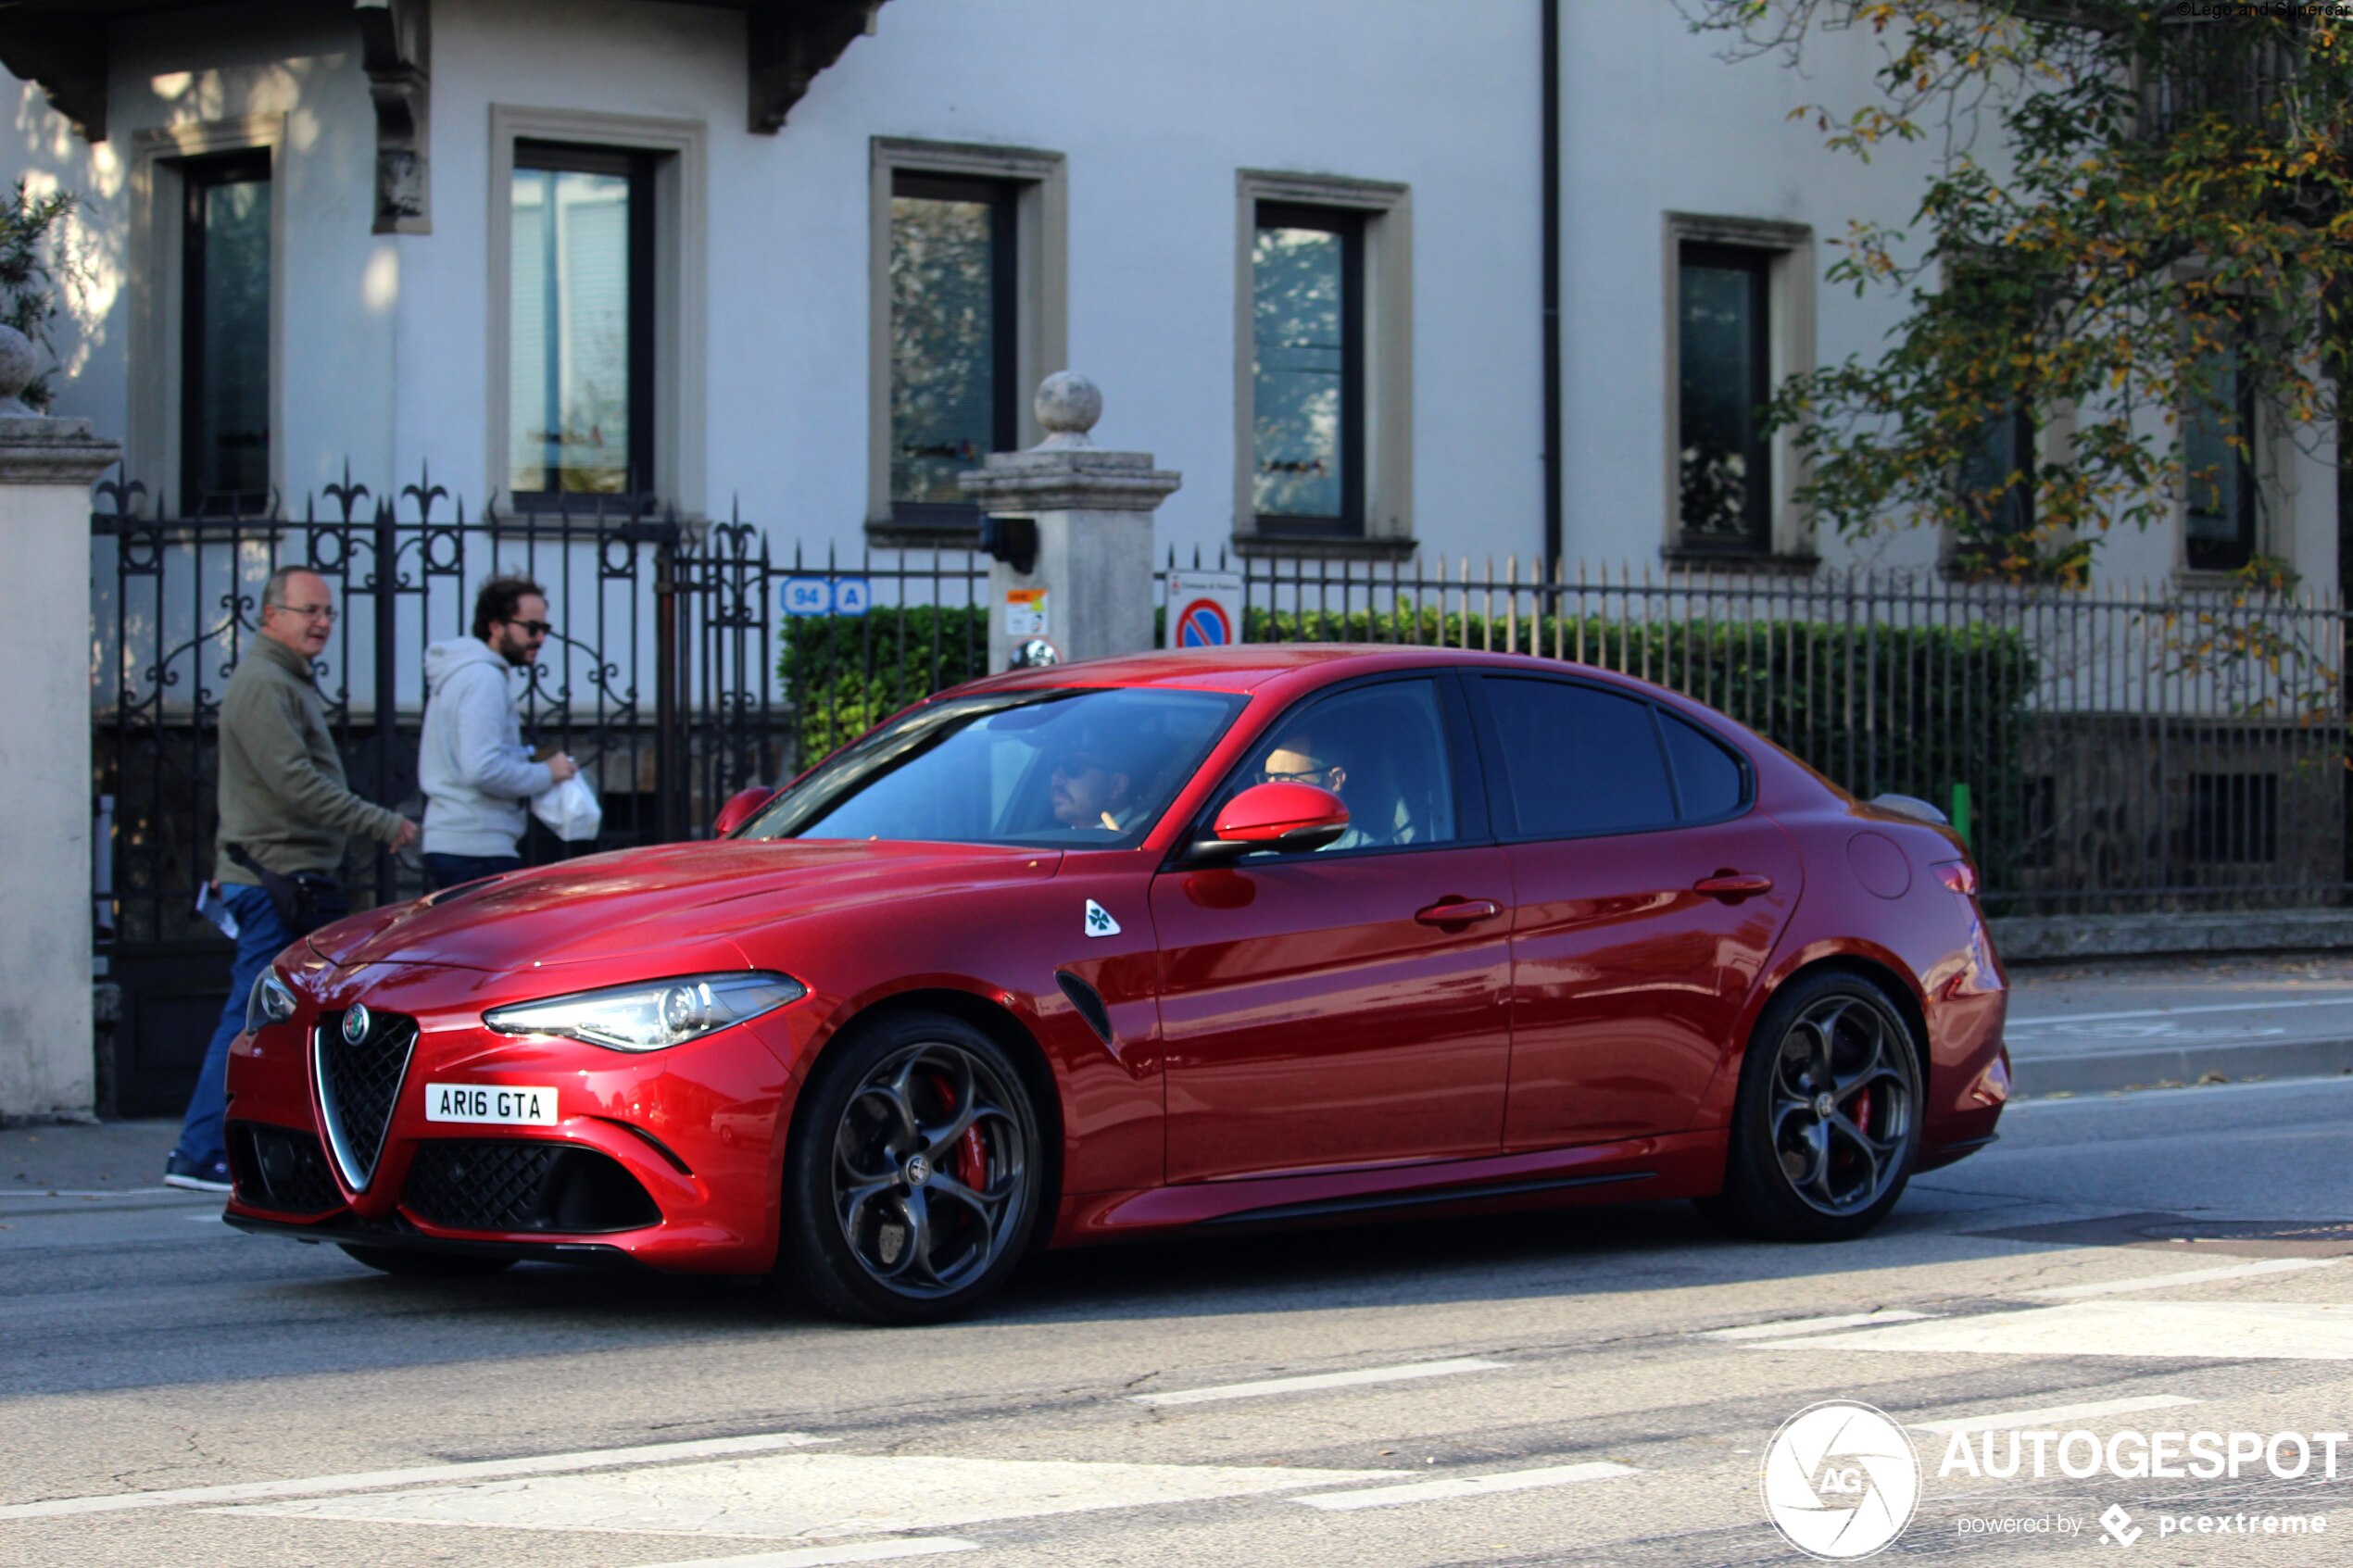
(1841, 1480)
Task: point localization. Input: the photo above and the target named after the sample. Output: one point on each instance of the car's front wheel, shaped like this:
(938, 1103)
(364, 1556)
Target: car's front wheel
(1827, 1125)
(914, 1176)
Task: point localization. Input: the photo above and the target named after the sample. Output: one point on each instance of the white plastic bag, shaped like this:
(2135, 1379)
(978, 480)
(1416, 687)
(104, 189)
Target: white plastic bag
(570, 809)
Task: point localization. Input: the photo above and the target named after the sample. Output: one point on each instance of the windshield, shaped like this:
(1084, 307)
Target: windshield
(1043, 769)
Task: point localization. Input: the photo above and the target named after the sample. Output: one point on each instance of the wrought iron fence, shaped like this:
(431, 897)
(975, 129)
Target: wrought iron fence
(2108, 751)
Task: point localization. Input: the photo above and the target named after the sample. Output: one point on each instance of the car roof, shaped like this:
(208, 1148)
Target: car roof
(1248, 667)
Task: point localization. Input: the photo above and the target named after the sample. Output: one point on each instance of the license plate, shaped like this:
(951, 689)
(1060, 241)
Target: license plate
(507, 1105)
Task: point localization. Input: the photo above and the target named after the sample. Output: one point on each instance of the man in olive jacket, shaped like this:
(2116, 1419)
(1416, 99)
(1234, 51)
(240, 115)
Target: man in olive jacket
(284, 806)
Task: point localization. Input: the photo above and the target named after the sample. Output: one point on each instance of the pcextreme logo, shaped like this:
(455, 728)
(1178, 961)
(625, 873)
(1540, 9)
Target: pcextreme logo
(1841, 1480)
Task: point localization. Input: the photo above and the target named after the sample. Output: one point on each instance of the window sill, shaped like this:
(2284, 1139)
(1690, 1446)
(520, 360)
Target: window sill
(1758, 563)
(1309, 547)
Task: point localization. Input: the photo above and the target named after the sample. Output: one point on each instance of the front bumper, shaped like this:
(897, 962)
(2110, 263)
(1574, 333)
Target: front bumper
(670, 1160)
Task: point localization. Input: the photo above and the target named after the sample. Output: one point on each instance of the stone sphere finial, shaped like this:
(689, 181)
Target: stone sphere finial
(1067, 405)
(17, 367)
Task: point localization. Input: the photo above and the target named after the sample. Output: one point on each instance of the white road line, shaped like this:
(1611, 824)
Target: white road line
(2208, 1331)
(1812, 1325)
(1468, 1486)
(2161, 1282)
(2178, 1012)
(364, 1481)
(2051, 1416)
(818, 1557)
(1267, 1386)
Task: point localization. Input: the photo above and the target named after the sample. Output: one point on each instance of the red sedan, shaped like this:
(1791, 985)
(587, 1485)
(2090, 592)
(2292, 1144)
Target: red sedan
(1238, 936)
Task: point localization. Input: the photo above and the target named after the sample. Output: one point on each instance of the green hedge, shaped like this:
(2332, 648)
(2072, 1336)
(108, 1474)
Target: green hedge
(845, 674)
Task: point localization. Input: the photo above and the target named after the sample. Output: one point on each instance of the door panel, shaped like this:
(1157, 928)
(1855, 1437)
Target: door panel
(1627, 983)
(1312, 1021)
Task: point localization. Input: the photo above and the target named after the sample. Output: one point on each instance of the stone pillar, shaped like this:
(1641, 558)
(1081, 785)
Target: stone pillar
(1092, 511)
(47, 469)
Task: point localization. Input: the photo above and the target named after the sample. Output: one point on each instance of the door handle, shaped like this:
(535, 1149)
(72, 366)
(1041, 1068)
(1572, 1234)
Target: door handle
(1732, 886)
(1458, 911)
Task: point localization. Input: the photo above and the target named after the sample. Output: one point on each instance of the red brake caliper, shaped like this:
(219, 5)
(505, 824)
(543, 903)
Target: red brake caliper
(1861, 1115)
(972, 1155)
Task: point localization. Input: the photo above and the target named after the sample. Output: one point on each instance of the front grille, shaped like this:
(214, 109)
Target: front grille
(358, 1084)
(281, 1170)
(523, 1184)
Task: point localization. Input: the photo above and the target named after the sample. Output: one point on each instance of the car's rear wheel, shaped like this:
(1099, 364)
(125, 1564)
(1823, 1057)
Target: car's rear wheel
(428, 1265)
(1826, 1126)
(914, 1177)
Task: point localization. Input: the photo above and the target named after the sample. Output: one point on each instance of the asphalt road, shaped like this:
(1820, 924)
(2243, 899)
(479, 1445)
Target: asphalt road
(1595, 1386)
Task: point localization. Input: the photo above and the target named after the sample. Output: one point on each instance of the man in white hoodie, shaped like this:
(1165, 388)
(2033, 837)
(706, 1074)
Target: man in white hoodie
(476, 772)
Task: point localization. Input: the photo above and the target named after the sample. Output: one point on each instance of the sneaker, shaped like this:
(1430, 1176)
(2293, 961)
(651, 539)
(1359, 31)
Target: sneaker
(207, 1175)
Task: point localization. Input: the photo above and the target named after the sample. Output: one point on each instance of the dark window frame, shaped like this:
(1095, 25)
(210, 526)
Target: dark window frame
(1466, 774)
(199, 176)
(1757, 262)
(640, 168)
(961, 520)
(1349, 224)
(2024, 435)
(2246, 495)
(1505, 813)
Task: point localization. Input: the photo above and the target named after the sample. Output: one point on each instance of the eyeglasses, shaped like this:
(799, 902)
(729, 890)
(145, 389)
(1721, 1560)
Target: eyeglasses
(536, 628)
(308, 612)
(1071, 766)
(1276, 775)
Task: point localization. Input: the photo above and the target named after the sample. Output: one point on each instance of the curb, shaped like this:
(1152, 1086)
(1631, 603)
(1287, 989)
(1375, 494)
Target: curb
(2040, 1077)
(2030, 939)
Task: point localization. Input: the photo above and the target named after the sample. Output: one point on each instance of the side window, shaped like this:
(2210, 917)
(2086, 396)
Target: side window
(1382, 750)
(1578, 760)
(1708, 780)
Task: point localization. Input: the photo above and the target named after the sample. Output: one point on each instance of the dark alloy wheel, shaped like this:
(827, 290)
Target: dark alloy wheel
(428, 1265)
(912, 1184)
(1826, 1129)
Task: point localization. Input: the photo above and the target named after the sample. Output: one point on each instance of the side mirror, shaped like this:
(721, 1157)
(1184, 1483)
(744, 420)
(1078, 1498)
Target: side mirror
(739, 810)
(1274, 816)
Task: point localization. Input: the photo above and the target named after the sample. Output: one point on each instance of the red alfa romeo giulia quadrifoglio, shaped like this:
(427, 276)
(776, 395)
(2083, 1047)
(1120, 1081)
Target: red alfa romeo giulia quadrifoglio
(1239, 937)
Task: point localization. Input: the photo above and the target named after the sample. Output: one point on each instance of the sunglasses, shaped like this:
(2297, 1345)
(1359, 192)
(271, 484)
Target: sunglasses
(1276, 775)
(536, 628)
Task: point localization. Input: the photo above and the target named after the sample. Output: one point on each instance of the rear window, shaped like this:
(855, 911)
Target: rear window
(1578, 760)
(1710, 779)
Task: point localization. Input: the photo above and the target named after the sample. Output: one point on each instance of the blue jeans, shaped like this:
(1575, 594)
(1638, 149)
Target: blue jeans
(261, 936)
(448, 870)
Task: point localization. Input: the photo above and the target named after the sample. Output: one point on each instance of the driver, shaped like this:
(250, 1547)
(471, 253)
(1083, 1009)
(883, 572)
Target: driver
(1090, 791)
(1301, 756)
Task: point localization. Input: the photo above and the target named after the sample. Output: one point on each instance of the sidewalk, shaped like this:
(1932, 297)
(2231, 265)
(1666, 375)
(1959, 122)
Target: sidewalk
(80, 1159)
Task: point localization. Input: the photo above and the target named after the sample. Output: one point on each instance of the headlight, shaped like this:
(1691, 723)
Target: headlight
(269, 1002)
(653, 1016)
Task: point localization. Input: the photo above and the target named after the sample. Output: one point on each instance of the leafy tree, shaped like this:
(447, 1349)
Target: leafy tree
(2137, 227)
(31, 264)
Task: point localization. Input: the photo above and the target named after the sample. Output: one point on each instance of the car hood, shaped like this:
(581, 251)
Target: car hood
(682, 896)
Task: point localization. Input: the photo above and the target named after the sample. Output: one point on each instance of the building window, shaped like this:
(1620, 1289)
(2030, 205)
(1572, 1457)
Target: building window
(955, 395)
(597, 348)
(580, 321)
(1739, 322)
(1724, 380)
(224, 334)
(1307, 370)
(1996, 476)
(969, 298)
(2218, 469)
(1323, 359)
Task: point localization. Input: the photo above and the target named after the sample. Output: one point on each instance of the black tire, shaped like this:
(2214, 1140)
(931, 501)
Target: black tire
(427, 1265)
(1826, 1129)
(915, 1177)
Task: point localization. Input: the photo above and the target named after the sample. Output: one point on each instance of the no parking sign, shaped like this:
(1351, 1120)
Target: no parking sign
(1205, 609)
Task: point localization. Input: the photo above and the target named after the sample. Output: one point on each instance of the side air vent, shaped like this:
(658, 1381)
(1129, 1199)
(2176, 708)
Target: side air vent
(281, 1170)
(1089, 1003)
(519, 1184)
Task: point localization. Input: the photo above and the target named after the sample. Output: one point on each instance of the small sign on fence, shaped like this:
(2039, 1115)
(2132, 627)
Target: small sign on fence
(826, 596)
(1025, 612)
(1205, 609)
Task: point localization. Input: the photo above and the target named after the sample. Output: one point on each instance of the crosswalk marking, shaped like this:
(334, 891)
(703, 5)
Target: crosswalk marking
(1267, 1386)
(2188, 1276)
(1468, 1486)
(821, 1557)
(2190, 1330)
(1812, 1325)
(2051, 1416)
